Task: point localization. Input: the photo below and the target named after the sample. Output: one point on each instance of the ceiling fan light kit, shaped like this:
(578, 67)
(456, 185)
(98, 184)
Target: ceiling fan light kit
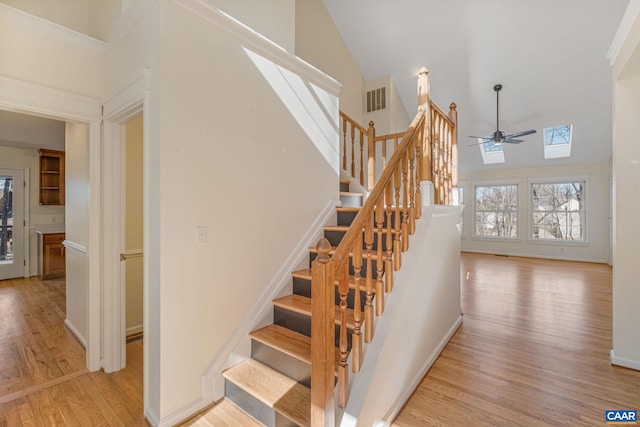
(498, 137)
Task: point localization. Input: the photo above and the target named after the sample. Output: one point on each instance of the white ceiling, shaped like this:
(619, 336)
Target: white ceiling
(549, 55)
(30, 132)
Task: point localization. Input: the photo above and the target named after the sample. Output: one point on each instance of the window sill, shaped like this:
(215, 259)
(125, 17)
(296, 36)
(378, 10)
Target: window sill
(573, 243)
(497, 239)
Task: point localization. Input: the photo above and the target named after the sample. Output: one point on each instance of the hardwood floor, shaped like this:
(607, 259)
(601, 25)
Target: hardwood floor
(533, 350)
(43, 380)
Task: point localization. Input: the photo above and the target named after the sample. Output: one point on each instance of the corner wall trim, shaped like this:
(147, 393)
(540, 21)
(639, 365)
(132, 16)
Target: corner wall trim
(75, 246)
(623, 361)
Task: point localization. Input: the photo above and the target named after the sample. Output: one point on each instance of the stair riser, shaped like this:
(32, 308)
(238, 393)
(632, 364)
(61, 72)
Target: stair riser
(254, 407)
(303, 287)
(344, 187)
(351, 201)
(302, 324)
(346, 218)
(335, 237)
(283, 363)
(374, 265)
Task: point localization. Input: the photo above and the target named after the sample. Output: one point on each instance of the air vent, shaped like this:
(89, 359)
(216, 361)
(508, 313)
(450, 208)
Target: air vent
(377, 99)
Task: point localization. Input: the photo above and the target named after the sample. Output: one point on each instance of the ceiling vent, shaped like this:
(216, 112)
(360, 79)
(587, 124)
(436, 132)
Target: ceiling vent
(377, 99)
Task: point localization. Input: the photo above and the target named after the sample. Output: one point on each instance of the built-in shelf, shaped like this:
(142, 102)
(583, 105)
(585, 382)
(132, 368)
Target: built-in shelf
(52, 190)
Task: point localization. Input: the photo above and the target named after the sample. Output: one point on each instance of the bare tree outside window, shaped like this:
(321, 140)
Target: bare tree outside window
(558, 211)
(496, 211)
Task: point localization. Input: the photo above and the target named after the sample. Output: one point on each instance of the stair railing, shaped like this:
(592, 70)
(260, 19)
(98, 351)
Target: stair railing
(440, 155)
(386, 219)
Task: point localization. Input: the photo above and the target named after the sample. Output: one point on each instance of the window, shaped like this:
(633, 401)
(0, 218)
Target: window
(558, 211)
(491, 152)
(496, 211)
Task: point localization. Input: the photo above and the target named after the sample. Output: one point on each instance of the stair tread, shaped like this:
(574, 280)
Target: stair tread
(347, 209)
(277, 391)
(306, 274)
(345, 181)
(345, 228)
(302, 305)
(287, 341)
(224, 414)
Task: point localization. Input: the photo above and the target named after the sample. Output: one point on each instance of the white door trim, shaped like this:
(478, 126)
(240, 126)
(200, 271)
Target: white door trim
(31, 98)
(21, 249)
(118, 110)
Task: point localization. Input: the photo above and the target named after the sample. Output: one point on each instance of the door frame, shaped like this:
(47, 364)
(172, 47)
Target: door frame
(118, 110)
(35, 99)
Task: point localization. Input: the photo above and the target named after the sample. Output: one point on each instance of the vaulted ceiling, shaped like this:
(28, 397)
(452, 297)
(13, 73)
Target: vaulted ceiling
(549, 55)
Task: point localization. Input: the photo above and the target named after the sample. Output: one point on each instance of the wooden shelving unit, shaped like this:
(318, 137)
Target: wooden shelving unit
(52, 190)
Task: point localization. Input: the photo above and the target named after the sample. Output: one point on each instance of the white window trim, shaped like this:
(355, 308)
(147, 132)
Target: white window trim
(558, 180)
(499, 183)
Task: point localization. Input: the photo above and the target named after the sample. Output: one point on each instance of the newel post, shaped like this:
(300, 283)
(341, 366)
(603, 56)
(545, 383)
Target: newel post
(424, 101)
(371, 156)
(323, 337)
(453, 116)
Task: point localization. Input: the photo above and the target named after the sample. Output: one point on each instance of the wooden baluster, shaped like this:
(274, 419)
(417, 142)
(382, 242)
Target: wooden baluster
(397, 256)
(361, 158)
(388, 261)
(343, 366)
(323, 337)
(384, 154)
(368, 305)
(344, 143)
(412, 199)
(418, 177)
(371, 156)
(379, 217)
(356, 338)
(353, 154)
(405, 202)
(453, 115)
(441, 160)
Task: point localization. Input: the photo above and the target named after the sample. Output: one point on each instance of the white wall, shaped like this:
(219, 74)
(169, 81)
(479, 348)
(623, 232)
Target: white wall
(77, 226)
(319, 43)
(626, 200)
(274, 19)
(233, 157)
(421, 315)
(597, 177)
(134, 222)
(56, 59)
(17, 158)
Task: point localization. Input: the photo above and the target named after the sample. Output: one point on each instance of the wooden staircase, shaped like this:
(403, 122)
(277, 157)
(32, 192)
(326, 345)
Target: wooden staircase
(351, 269)
(273, 387)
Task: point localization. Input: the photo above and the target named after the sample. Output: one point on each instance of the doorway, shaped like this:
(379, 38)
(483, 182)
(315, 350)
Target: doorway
(132, 206)
(12, 257)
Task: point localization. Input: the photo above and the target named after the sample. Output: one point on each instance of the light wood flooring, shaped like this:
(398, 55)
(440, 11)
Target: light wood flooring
(43, 380)
(533, 350)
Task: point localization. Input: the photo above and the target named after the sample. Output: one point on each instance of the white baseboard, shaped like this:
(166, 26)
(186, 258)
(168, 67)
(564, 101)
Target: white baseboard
(403, 398)
(75, 333)
(132, 330)
(538, 256)
(151, 417)
(624, 362)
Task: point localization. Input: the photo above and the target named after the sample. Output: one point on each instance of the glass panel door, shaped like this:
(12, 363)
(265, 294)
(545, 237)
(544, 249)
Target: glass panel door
(11, 224)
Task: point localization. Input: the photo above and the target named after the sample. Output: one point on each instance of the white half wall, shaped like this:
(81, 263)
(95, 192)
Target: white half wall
(598, 202)
(421, 315)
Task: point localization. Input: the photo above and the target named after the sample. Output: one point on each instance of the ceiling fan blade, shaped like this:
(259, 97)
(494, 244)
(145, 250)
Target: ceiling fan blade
(519, 134)
(512, 141)
(485, 141)
(482, 137)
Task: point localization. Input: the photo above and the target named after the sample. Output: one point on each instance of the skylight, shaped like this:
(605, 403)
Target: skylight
(491, 152)
(557, 141)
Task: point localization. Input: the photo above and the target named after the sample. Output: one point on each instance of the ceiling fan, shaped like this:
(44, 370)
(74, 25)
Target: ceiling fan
(498, 137)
